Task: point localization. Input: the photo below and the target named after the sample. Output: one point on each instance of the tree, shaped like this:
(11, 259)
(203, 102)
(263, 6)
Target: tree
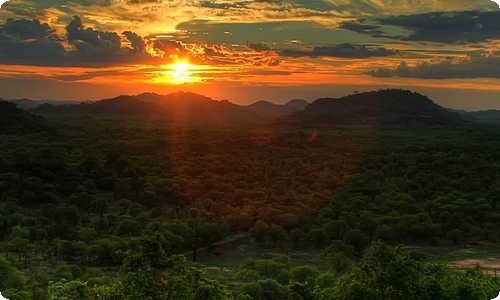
(252, 289)
(69, 290)
(305, 274)
(150, 273)
(271, 289)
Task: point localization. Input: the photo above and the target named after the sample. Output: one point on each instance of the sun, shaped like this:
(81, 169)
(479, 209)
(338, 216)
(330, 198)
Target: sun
(181, 67)
(181, 72)
(177, 72)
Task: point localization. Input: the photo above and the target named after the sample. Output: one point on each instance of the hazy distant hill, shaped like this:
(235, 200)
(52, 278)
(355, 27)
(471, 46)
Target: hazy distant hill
(121, 105)
(270, 109)
(392, 106)
(490, 115)
(177, 105)
(28, 104)
(15, 119)
(25, 103)
(299, 104)
(267, 108)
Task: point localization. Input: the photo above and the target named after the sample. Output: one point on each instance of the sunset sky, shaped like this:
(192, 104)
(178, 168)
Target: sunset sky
(251, 50)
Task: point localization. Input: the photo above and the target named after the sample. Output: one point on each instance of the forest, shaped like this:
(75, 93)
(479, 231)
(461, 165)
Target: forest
(149, 207)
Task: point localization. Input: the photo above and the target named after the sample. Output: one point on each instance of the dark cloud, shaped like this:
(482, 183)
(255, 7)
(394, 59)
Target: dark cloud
(137, 43)
(442, 27)
(132, 2)
(76, 32)
(31, 42)
(342, 50)
(28, 29)
(84, 75)
(258, 47)
(171, 48)
(38, 51)
(215, 50)
(358, 26)
(449, 27)
(474, 65)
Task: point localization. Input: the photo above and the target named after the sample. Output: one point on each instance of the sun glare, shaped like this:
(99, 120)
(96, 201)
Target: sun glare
(181, 72)
(181, 68)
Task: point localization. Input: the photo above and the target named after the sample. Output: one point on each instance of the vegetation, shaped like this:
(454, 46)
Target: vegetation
(109, 208)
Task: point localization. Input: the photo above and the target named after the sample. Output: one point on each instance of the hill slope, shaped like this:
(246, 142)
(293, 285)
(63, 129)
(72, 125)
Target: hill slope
(299, 104)
(121, 105)
(270, 109)
(15, 119)
(190, 105)
(384, 107)
(177, 105)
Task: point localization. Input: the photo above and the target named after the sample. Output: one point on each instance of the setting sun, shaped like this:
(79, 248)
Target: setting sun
(181, 72)
(181, 68)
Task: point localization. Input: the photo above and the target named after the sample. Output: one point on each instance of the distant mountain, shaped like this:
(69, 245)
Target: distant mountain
(490, 115)
(13, 119)
(177, 105)
(121, 105)
(191, 105)
(299, 104)
(393, 106)
(28, 104)
(25, 103)
(266, 108)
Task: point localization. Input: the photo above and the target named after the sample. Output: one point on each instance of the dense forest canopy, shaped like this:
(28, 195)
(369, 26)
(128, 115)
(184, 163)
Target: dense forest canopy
(98, 207)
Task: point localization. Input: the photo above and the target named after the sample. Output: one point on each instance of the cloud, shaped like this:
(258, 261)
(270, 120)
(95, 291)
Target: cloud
(473, 65)
(137, 43)
(441, 27)
(28, 29)
(258, 47)
(346, 50)
(32, 42)
(454, 27)
(358, 26)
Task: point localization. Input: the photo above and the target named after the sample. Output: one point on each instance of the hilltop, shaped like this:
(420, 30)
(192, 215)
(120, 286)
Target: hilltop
(384, 107)
(267, 108)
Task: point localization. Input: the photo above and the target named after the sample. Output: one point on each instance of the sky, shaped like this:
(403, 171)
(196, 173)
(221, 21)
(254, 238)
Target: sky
(249, 50)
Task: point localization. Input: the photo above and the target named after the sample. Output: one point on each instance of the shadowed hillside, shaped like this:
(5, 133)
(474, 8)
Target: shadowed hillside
(384, 107)
(191, 105)
(299, 104)
(490, 115)
(267, 108)
(15, 119)
(121, 105)
(177, 105)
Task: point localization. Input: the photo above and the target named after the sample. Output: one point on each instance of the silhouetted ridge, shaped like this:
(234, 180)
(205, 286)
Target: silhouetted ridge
(270, 109)
(299, 104)
(15, 119)
(121, 105)
(191, 105)
(125, 105)
(394, 106)
(178, 105)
